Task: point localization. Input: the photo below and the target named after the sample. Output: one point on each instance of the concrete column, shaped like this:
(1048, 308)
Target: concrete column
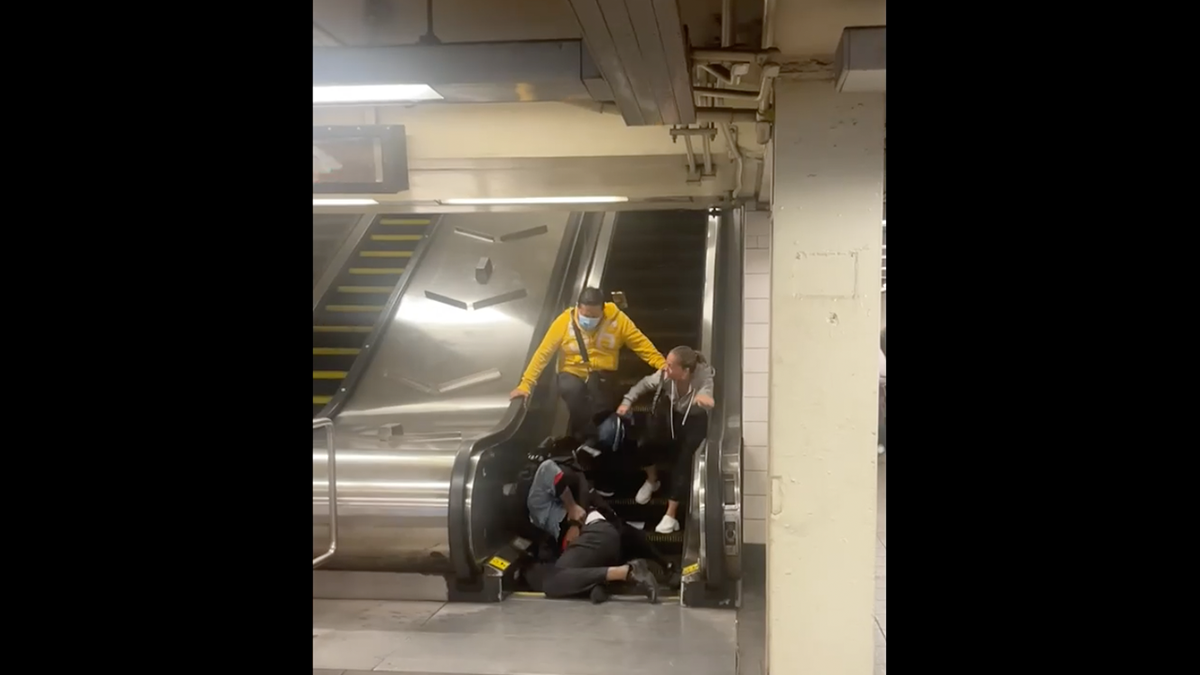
(825, 287)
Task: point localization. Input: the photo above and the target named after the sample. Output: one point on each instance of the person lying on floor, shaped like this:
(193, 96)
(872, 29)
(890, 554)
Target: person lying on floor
(596, 547)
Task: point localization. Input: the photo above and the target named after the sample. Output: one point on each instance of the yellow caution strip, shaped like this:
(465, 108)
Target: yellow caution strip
(365, 289)
(336, 351)
(321, 400)
(385, 254)
(353, 308)
(397, 237)
(376, 270)
(329, 374)
(403, 221)
(341, 329)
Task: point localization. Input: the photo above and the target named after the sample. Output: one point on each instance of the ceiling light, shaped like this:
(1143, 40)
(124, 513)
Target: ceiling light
(885, 222)
(533, 200)
(375, 93)
(344, 202)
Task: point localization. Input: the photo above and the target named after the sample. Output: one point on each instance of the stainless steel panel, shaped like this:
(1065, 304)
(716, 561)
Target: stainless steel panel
(625, 40)
(439, 379)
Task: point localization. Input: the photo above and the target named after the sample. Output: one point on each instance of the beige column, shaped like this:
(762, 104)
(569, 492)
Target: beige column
(824, 357)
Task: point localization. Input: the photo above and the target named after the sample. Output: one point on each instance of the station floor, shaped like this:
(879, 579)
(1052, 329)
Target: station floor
(533, 636)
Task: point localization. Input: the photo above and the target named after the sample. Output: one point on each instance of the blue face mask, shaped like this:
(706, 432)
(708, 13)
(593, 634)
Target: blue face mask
(588, 323)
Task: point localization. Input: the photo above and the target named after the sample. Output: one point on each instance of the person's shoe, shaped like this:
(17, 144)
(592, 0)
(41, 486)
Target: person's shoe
(667, 525)
(603, 492)
(647, 491)
(640, 574)
(599, 594)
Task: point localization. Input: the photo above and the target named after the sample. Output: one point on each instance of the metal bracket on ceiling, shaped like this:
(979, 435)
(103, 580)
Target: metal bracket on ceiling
(706, 132)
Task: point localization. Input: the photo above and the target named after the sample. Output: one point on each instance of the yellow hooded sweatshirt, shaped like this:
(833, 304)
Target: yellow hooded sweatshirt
(603, 346)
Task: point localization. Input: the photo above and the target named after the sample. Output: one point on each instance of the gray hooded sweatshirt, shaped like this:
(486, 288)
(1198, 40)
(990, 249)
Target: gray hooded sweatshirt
(681, 402)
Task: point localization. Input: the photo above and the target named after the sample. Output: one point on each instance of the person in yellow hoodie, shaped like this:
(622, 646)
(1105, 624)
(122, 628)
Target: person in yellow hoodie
(588, 339)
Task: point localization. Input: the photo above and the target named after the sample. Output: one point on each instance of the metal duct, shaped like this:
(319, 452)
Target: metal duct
(641, 51)
(481, 72)
(860, 64)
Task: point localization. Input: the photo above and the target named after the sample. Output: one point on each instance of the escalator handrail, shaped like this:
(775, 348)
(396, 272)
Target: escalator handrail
(331, 493)
(371, 344)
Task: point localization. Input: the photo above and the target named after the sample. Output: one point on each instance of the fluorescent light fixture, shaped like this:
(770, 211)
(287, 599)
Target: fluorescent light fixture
(375, 93)
(344, 202)
(885, 222)
(533, 200)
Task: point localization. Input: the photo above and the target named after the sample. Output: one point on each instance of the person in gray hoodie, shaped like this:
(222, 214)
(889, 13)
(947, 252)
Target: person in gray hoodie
(682, 391)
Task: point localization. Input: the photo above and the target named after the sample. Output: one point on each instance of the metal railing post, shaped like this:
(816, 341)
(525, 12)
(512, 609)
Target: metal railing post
(327, 424)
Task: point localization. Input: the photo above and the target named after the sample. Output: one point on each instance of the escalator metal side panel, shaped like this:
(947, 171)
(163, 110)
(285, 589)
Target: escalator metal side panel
(712, 548)
(452, 348)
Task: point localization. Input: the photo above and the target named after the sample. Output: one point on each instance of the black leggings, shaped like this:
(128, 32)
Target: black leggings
(680, 450)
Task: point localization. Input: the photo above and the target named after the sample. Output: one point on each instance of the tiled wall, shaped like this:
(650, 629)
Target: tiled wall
(757, 331)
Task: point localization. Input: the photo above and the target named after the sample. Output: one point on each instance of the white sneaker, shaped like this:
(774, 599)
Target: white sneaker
(667, 525)
(645, 492)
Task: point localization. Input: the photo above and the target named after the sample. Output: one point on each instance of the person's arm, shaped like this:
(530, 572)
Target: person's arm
(638, 342)
(572, 488)
(545, 351)
(644, 386)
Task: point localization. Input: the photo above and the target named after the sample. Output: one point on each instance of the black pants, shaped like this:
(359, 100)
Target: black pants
(680, 450)
(584, 565)
(587, 400)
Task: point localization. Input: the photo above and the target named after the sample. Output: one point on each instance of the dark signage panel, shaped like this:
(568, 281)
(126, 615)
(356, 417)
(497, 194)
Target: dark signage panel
(359, 160)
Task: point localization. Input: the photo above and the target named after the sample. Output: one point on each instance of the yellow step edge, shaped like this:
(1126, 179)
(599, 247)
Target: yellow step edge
(341, 329)
(404, 221)
(321, 400)
(329, 374)
(385, 254)
(353, 308)
(376, 270)
(397, 237)
(365, 289)
(336, 351)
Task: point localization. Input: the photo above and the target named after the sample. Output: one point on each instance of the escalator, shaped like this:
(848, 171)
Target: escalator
(657, 262)
(350, 308)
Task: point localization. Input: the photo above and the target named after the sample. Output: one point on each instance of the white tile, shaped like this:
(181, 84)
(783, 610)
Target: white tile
(755, 456)
(754, 506)
(754, 409)
(757, 286)
(755, 384)
(754, 483)
(758, 223)
(756, 361)
(756, 310)
(754, 531)
(755, 433)
(758, 261)
(756, 335)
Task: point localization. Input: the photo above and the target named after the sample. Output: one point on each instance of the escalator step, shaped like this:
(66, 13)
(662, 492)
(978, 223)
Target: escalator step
(385, 254)
(329, 374)
(368, 271)
(404, 221)
(336, 351)
(322, 400)
(352, 309)
(342, 329)
(365, 289)
(397, 237)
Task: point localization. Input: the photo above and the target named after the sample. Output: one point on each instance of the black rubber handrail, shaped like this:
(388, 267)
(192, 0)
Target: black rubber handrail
(344, 392)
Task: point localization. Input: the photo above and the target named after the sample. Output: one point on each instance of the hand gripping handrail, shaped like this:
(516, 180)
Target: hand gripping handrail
(327, 424)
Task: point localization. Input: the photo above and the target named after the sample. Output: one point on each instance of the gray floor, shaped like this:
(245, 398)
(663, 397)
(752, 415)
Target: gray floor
(526, 636)
(521, 635)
